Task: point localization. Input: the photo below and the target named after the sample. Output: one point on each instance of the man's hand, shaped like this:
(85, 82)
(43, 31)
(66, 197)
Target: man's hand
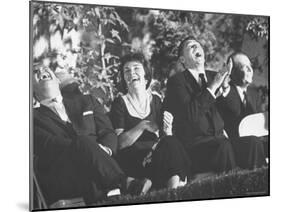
(226, 81)
(106, 149)
(217, 81)
(168, 123)
(222, 78)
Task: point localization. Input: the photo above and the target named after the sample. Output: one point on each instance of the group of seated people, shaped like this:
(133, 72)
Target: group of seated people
(144, 143)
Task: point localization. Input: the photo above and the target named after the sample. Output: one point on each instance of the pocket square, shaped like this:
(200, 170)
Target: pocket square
(87, 113)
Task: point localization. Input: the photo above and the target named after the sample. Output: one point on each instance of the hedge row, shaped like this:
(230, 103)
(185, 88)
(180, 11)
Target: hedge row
(236, 183)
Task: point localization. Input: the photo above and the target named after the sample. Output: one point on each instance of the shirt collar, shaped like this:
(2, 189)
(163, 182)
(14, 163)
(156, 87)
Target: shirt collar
(50, 102)
(195, 74)
(241, 92)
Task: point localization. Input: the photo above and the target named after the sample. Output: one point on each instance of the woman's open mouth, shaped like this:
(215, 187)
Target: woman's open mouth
(198, 54)
(135, 79)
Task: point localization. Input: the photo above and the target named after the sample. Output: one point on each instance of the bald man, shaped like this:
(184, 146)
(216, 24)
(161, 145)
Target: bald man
(191, 97)
(239, 98)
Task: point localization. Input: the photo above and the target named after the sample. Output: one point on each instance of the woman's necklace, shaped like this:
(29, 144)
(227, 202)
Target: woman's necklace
(142, 112)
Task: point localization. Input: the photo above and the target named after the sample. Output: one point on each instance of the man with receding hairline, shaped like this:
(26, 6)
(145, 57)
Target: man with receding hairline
(239, 98)
(73, 141)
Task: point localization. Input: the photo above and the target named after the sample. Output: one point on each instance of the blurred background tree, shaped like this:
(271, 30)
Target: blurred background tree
(90, 40)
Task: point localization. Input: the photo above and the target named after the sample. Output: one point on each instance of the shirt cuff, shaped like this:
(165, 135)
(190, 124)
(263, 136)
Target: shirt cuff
(106, 149)
(211, 92)
(225, 92)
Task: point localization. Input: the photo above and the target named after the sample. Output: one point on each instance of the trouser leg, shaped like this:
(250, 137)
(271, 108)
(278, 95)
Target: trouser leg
(101, 170)
(265, 142)
(215, 155)
(131, 161)
(97, 164)
(82, 169)
(249, 152)
(169, 159)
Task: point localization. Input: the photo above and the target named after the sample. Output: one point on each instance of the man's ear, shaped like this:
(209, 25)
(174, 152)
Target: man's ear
(182, 59)
(35, 101)
(181, 62)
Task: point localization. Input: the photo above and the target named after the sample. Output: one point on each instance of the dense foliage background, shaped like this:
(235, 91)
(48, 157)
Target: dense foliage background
(88, 41)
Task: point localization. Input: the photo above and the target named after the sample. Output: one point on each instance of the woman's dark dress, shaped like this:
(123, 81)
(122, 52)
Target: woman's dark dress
(168, 159)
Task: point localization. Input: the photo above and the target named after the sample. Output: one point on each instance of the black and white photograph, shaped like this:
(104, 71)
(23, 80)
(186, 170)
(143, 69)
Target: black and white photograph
(138, 105)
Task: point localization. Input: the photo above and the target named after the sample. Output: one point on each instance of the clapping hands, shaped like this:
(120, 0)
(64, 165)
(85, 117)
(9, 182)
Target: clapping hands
(222, 77)
(228, 68)
(153, 127)
(150, 126)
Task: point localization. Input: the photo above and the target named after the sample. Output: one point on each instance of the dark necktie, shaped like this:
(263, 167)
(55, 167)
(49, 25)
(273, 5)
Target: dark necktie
(245, 99)
(202, 80)
(210, 112)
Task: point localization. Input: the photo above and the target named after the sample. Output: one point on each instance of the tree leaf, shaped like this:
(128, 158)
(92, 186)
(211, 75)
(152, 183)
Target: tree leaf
(115, 34)
(110, 40)
(97, 12)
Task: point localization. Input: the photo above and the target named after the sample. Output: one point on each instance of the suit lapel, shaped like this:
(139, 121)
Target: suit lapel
(75, 105)
(212, 111)
(52, 115)
(210, 75)
(49, 113)
(72, 108)
(235, 99)
(251, 100)
(72, 102)
(236, 94)
(196, 89)
(190, 82)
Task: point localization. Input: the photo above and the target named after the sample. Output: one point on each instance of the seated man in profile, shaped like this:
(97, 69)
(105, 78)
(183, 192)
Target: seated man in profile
(239, 99)
(72, 144)
(191, 97)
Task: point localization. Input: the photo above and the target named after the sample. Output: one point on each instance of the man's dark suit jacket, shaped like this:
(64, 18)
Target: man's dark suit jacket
(196, 118)
(232, 110)
(53, 138)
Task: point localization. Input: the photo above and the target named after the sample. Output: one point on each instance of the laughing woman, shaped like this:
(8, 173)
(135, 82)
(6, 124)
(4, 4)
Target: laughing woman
(147, 148)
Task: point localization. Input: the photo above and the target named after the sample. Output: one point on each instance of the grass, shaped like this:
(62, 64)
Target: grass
(236, 183)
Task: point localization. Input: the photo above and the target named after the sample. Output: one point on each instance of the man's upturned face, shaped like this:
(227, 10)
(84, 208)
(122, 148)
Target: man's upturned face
(193, 54)
(45, 84)
(245, 69)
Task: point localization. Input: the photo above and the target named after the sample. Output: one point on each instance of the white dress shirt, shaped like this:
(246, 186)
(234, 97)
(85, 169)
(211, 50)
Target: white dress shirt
(241, 92)
(195, 75)
(57, 106)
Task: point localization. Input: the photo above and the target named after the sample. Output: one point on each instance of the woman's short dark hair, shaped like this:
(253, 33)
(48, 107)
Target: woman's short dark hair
(135, 57)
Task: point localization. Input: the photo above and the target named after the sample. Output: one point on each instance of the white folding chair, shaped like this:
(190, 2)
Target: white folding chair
(254, 125)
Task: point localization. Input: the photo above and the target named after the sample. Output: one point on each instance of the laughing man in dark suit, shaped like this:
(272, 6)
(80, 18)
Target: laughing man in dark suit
(73, 143)
(191, 98)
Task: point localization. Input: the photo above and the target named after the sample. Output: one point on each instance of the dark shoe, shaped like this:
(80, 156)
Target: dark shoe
(139, 187)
